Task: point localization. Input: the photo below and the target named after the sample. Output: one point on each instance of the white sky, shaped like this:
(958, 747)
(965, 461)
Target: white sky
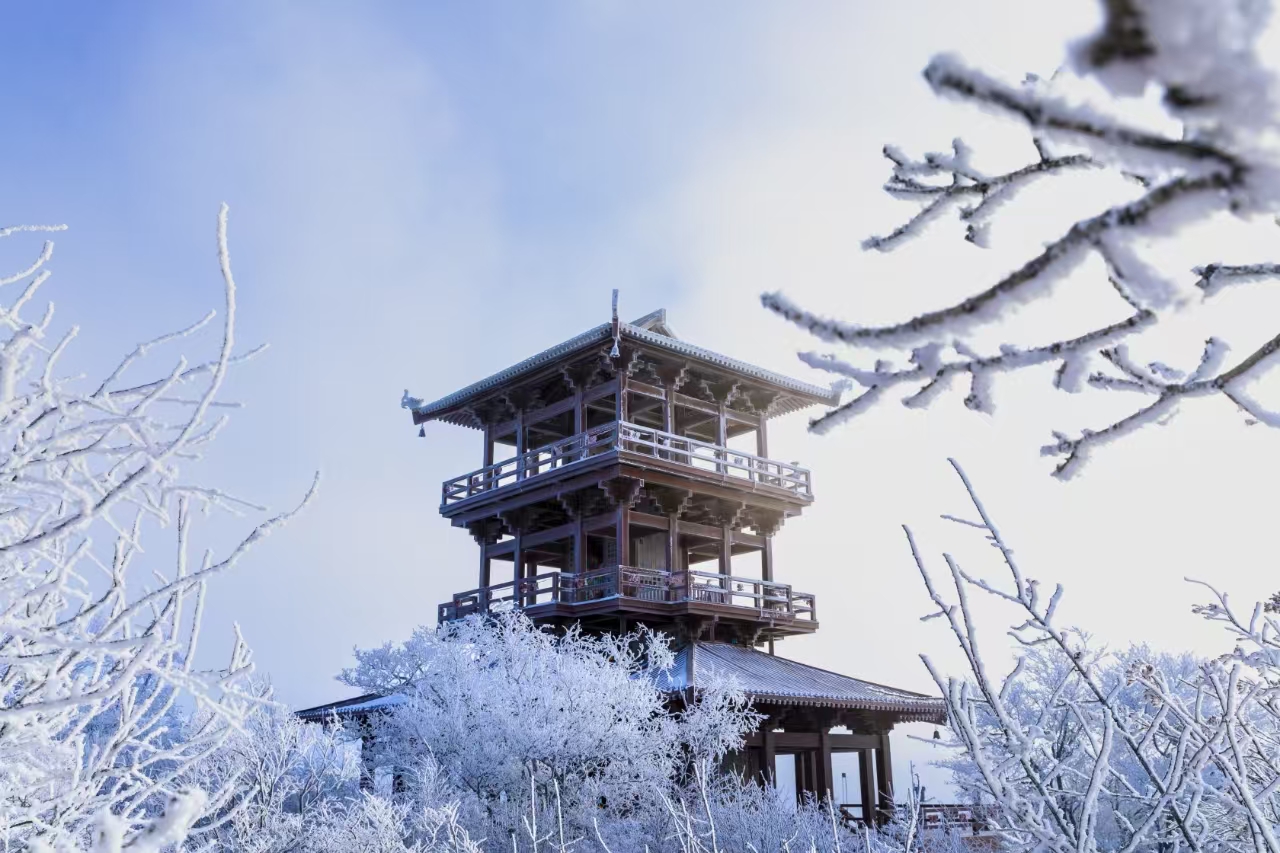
(421, 197)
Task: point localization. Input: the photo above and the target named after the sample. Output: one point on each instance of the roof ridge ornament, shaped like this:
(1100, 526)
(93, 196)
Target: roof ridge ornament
(617, 327)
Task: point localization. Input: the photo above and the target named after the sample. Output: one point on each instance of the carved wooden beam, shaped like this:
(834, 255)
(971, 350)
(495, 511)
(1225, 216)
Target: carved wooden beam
(622, 491)
(486, 531)
(672, 501)
(673, 375)
(515, 519)
(571, 503)
(724, 392)
(766, 522)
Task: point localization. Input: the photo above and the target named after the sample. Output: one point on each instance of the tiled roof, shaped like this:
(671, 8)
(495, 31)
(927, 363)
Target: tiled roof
(650, 329)
(769, 678)
(763, 677)
(350, 707)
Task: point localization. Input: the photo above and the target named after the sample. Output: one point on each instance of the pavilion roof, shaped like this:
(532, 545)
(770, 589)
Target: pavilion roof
(651, 329)
(763, 677)
(772, 679)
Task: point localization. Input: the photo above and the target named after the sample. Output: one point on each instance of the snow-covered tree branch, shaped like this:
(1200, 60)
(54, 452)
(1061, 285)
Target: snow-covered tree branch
(99, 619)
(1226, 158)
(1082, 749)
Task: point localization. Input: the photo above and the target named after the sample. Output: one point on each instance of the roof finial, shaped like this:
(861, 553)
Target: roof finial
(617, 329)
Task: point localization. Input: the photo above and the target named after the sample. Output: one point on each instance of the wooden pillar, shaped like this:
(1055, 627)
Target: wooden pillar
(530, 571)
(517, 558)
(867, 782)
(722, 435)
(762, 439)
(803, 782)
(621, 402)
(366, 757)
(579, 543)
(766, 560)
(485, 563)
(726, 551)
(624, 536)
(769, 754)
(884, 777)
(520, 444)
(488, 447)
(825, 781)
(579, 413)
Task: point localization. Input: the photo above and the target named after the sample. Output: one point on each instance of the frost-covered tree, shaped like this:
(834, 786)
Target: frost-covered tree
(545, 732)
(100, 595)
(278, 776)
(1223, 156)
(1083, 750)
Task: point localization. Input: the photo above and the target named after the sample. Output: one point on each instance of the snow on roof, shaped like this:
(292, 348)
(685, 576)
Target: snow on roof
(351, 707)
(769, 678)
(650, 329)
(763, 677)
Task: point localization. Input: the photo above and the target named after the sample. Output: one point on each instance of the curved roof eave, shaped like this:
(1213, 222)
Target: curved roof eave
(814, 394)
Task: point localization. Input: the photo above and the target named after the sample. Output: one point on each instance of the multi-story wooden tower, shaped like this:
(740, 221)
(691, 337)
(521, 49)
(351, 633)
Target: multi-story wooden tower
(626, 480)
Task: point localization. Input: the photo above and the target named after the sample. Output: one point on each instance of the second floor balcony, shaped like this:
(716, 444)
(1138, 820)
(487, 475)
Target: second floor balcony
(654, 592)
(643, 444)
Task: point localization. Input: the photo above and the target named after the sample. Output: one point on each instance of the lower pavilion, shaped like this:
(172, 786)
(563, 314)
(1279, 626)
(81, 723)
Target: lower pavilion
(626, 481)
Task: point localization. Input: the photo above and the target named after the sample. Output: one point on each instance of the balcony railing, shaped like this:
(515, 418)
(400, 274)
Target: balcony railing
(638, 440)
(777, 601)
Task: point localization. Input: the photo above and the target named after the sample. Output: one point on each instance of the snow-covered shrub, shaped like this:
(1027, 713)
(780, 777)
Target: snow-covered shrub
(279, 776)
(97, 634)
(1214, 150)
(1081, 749)
(540, 730)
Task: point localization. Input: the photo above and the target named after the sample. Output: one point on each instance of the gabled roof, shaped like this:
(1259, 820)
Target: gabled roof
(771, 679)
(651, 329)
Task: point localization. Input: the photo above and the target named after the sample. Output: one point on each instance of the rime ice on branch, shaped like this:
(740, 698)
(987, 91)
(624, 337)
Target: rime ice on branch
(1084, 749)
(97, 635)
(1203, 58)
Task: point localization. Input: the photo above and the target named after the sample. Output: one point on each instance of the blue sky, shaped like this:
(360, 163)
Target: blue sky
(424, 193)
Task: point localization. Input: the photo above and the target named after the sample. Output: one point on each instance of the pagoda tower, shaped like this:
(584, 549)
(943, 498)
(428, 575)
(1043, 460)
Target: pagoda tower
(625, 480)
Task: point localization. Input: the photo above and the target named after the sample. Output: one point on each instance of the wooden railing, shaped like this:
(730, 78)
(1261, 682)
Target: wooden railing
(629, 438)
(775, 600)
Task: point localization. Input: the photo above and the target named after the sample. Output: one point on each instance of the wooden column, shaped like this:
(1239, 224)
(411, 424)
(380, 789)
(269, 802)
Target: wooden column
(517, 558)
(803, 782)
(762, 450)
(579, 413)
(769, 754)
(722, 436)
(621, 402)
(579, 543)
(884, 776)
(366, 757)
(766, 560)
(488, 447)
(867, 781)
(485, 564)
(726, 550)
(624, 536)
(826, 781)
(673, 551)
(520, 444)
